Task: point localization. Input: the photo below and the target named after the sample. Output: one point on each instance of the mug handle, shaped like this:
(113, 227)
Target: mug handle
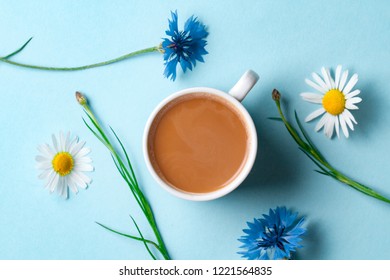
(244, 85)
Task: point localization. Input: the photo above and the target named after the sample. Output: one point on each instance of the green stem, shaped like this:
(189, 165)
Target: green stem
(133, 237)
(18, 50)
(289, 127)
(129, 177)
(111, 61)
(312, 152)
(157, 233)
(358, 186)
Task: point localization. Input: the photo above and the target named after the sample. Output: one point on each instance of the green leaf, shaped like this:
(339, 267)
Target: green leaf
(314, 160)
(96, 125)
(325, 168)
(323, 173)
(140, 233)
(131, 187)
(123, 148)
(127, 235)
(306, 136)
(133, 177)
(117, 167)
(93, 131)
(143, 204)
(18, 50)
(134, 188)
(276, 119)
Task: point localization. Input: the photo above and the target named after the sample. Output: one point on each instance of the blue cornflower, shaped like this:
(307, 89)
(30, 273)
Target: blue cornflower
(274, 237)
(184, 47)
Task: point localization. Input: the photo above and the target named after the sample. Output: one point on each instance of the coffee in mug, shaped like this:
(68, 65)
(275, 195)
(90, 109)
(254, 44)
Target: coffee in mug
(198, 143)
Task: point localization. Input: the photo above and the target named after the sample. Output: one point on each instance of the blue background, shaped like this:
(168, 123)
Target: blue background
(284, 41)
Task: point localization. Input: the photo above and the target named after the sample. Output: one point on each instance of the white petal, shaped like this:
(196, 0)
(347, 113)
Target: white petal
(50, 179)
(352, 94)
(344, 126)
(337, 126)
(352, 82)
(354, 100)
(83, 167)
(45, 174)
(40, 158)
(55, 143)
(349, 115)
(326, 77)
(46, 150)
(343, 80)
(83, 152)
(72, 186)
(351, 106)
(53, 184)
(330, 78)
(84, 160)
(45, 165)
(329, 126)
(319, 81)
(84, 177)
(60, 184)
(337, 76)
(64, 190)
(347, 120)
(315, 86)
(322, 122)
(312, 97)
(314, 114)
(72, 143)
(76, 148)
(77, 180)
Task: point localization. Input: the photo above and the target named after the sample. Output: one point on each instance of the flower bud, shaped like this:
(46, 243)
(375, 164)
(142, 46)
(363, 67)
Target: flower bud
(275, 95)
(81, 99)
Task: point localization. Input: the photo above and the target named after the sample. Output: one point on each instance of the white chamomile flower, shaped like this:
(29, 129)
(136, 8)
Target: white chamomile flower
(336, 98)
(64, 164)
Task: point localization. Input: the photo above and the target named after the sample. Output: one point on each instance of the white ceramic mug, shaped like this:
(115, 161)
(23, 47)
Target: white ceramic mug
(236, 94)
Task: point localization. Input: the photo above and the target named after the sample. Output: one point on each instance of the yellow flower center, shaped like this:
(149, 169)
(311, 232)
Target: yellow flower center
(63, 163)
(334, 102)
